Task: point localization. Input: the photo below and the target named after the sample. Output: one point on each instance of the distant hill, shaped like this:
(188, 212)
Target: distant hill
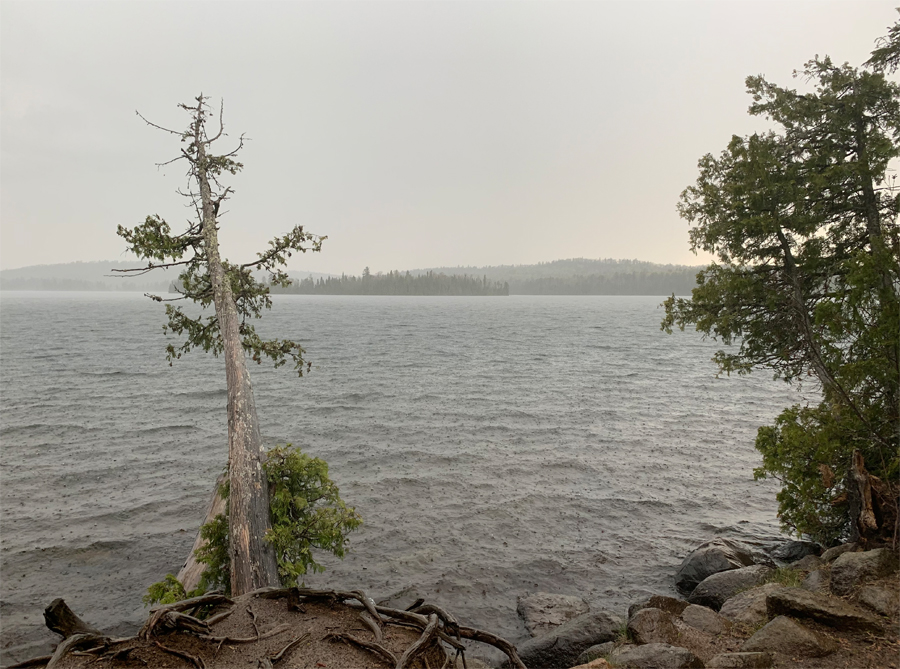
(585, 276)
(96, 275)
(574, 276)
(99, 275)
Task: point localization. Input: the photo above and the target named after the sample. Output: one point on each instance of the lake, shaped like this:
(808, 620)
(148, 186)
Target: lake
(494, 446)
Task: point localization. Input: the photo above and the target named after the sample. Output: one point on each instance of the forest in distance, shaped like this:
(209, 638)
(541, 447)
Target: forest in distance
(574, 276)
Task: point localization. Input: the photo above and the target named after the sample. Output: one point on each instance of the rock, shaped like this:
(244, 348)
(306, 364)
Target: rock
(817, 581)
(852, 569)
(594, 652)
(560, 647)
(654, 656)
(652, 626)
(711, 558)
(544, 611)
(599, 663)
(833, 553)
(741, 661)
(808, 563)
(791, 551)
(670, 604)
(749, 607)
(715, 589)
(783, 635)
(881, 600)
(822, 608)
(705, 620)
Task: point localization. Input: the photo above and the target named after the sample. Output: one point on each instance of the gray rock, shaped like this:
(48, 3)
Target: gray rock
(881, 600)
(749, 607)
(711, 558)
(833, 553)
(791, 551)
(560, 648)
(670, 604)
(544, 611)
(654, 656)
(594, 652)
(716, 589)
(822, 608)
(652, 626)
(783, 635)
(853, 569)
(817, 581)
(808, 563)
(741, 661)
(705, 620)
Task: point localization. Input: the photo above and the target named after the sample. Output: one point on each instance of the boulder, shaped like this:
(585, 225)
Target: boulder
(817, 581)
(808, 563)
(715, 589)
(670, 604)
(822, 608)
(853, 569)
(881, 600)
(791, 551)
(833, 553)
(654, 656)
(652, 626)
(783, 635)
(544, 611)
(594, 652)
(599, 663)
(741, 661)
(705, 620)
(749, 607)
(560, 647)
(711, 558)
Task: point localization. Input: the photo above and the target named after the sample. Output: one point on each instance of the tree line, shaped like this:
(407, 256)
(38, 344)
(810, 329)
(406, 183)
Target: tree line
(395, 283)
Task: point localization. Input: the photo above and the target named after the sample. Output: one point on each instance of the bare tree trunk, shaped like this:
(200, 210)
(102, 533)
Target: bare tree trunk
(191, 570)
(253, 563)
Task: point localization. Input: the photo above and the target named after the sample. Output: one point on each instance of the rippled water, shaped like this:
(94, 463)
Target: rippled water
(494, 447)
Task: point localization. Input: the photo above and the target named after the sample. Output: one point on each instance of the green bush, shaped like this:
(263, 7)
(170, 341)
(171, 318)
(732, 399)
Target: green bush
(306, 512)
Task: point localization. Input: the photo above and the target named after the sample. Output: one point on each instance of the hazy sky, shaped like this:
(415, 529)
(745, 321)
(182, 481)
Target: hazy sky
(413, 134)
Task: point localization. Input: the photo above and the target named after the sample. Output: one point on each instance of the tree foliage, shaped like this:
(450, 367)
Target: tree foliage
(154, 241)
(803, 223)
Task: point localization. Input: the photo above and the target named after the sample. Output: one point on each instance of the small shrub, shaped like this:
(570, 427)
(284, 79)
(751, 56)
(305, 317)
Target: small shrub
(306, 512)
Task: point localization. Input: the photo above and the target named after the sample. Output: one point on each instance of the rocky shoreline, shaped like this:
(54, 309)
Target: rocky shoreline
(795, 606)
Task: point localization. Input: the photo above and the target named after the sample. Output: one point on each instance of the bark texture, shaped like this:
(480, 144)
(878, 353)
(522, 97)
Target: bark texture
(253, 563)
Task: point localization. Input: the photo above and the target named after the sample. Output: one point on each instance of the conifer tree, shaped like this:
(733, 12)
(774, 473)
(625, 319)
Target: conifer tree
(235, 296)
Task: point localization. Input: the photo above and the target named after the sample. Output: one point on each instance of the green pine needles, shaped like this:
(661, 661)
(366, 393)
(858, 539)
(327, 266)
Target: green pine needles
(307, 514)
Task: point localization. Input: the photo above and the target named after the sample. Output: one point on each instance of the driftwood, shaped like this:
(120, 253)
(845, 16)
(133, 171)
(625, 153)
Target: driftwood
(60, 619)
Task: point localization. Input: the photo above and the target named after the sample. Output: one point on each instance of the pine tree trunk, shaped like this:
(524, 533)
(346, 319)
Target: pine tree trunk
(253, 563)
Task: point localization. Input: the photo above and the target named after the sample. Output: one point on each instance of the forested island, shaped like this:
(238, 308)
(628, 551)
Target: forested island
(395, 283)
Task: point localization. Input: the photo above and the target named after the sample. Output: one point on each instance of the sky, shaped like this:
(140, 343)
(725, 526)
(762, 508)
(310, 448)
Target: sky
(411, 134)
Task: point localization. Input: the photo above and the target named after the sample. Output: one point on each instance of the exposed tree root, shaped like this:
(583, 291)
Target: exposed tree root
(435, 626)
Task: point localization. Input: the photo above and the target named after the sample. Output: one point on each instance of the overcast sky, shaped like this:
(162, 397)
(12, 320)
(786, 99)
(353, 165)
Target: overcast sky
(412, 134)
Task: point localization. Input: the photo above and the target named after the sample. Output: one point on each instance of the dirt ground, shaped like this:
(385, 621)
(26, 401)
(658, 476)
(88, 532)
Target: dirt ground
(256, 631)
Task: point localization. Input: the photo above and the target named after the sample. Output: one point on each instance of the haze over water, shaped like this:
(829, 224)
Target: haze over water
(494, 447)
